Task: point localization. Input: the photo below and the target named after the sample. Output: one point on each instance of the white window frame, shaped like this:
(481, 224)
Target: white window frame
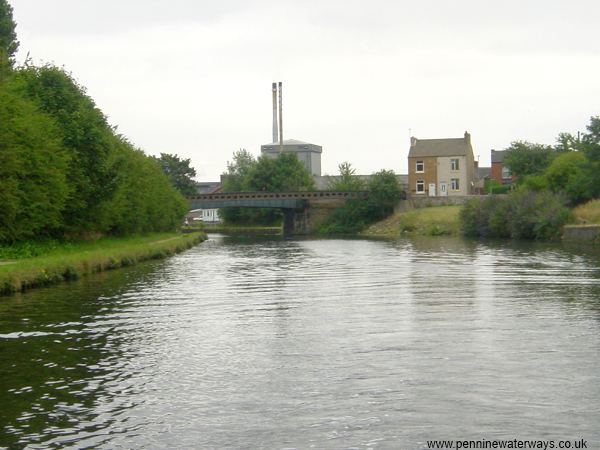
(455, 164)
(455, 184)
(422, 164)
(422, 184)
(506, 173)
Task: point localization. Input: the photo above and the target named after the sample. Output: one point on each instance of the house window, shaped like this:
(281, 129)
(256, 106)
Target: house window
(454, 164)
(506, 173)
(420, 167)
(454, 185)
(420, 187)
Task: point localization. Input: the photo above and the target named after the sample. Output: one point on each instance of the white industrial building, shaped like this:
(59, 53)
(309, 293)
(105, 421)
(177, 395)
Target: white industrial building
(307, 154)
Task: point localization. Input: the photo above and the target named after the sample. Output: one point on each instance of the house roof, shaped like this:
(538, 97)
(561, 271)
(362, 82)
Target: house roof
(441, 147)
(207, 187)
(484, 172)
(498, 156)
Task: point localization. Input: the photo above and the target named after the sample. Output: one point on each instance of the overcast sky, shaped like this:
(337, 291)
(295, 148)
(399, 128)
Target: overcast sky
(193, 77)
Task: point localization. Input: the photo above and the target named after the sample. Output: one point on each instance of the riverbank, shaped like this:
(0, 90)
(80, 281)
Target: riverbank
(445, 221)
(431, 221)
(76, 259)
(236, 230)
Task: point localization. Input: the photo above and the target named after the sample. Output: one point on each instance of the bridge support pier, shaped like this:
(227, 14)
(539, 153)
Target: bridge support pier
(295, 221)
(306, 220)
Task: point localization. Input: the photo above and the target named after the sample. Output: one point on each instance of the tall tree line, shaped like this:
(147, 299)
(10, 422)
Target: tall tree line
(64, 171)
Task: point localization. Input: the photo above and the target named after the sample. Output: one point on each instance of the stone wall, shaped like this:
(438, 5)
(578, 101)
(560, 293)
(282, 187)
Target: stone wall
(582, 233)
(425, 202)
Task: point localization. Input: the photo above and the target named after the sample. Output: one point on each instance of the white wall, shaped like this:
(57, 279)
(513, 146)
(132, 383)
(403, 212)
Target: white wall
(445, 174)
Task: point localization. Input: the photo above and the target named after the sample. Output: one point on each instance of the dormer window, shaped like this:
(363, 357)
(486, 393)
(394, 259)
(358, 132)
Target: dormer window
(420, 167)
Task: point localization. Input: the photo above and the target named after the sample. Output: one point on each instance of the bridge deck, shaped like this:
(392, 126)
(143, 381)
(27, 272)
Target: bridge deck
(288, 200)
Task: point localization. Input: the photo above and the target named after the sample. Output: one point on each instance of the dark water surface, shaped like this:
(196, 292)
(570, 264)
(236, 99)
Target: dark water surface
(309, 344)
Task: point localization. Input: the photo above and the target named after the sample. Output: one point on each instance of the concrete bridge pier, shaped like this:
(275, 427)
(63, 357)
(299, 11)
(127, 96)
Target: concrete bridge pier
(294, 222)
(307, 220)
(299, 221)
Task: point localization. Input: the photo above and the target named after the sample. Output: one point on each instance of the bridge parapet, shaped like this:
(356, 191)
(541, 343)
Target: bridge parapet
(284, 200)
(303, 195)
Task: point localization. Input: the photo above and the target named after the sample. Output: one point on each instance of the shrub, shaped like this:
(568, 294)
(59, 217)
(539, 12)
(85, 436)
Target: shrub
(492, 186)
(355, 215)
(524, 214)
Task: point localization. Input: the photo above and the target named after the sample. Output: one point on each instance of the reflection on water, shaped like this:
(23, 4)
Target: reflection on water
(275, 343)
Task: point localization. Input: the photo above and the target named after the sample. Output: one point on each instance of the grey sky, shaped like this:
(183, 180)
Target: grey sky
(194, 77)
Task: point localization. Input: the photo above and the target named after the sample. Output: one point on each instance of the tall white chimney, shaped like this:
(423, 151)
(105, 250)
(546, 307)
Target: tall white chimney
(275, 130)
(280, 118)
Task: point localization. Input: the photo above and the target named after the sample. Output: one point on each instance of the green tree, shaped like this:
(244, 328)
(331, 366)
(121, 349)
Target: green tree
(591, 148)
(33, 170)
(567, 174)
(356, 214)
(283, 173)
(85, 134)
(144, 199)
(180, 173)
(234, 180)
(384, 193)
(245, 173)
(525, 158)
(566, 142)
(347, 180)
(8, 37)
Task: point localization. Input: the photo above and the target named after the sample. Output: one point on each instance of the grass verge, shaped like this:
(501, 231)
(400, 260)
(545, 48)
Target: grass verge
(245, 230)
(76, 259)
(588, 213)
(431, 221)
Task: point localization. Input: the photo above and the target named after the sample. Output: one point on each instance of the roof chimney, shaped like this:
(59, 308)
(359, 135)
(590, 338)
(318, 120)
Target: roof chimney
(413, 141)
(467, 137)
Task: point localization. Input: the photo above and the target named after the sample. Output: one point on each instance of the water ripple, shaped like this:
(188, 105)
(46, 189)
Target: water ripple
(274, 343)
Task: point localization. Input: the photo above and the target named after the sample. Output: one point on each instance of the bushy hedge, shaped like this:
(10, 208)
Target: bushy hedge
(65, 172)
(523, 214)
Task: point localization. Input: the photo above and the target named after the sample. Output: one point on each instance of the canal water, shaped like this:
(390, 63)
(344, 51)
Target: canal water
(328, 344)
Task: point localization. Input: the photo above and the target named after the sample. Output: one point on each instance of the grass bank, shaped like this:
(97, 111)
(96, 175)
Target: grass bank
(444, 221)
(242, 230)
(72, 260)
(588, 213)
(431, 221)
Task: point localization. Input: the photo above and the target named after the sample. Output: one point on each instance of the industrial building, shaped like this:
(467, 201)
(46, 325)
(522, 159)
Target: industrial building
(308, 154)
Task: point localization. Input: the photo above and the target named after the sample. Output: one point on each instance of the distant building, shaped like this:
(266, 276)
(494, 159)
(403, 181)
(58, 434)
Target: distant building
(324, 182)
(441, 167)
(308, 154)
(500, 172)
(208, 187)
(205, 215)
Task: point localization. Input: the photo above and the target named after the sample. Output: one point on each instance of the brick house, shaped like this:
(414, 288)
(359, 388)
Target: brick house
(441, 167)
(500, 172)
